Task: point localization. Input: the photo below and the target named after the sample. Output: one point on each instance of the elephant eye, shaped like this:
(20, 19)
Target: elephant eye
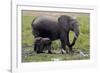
(73, 25)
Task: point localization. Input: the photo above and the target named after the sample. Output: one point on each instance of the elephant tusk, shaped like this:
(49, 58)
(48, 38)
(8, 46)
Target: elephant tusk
(75, 35)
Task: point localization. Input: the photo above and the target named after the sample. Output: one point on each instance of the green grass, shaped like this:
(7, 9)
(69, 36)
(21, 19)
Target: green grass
(52, 57)
(27, 37)
(82, 44)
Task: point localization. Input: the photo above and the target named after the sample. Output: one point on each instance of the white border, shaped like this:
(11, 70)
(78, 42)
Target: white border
(17, 66)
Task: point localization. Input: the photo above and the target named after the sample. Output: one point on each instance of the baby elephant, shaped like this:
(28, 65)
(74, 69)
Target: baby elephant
(42, 44)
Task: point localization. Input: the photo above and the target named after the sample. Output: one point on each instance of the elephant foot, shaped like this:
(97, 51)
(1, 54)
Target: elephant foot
(63, 51)
(49, 52)
(38, 52)
(71, 52)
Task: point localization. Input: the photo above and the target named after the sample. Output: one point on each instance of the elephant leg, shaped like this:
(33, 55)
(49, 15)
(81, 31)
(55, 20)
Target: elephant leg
(71, 51)
(63, 40)
(40, 48)
(49, 49)
(36, 48)
(63, 47)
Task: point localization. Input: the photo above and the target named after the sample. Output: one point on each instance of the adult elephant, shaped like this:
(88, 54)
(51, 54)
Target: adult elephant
(56, 28)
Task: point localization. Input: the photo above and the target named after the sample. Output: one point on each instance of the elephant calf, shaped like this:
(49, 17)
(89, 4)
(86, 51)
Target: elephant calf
(42, 44)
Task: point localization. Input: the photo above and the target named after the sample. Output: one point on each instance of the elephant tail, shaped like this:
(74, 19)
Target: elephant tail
(32, 24)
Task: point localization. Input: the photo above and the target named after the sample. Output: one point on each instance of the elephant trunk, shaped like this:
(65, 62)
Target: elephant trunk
(76, 34)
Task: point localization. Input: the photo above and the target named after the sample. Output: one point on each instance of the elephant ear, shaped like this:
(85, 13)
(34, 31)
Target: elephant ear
(63, 21)
(74, 25)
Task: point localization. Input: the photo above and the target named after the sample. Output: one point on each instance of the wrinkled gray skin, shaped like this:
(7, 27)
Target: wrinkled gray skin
(42, 44)
(56, 28)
